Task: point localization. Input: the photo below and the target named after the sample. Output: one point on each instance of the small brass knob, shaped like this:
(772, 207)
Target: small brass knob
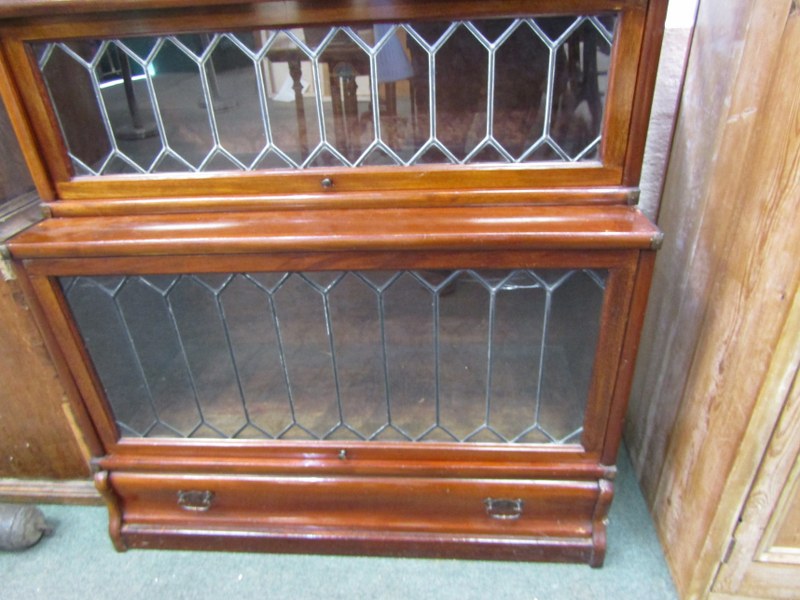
(327, 183)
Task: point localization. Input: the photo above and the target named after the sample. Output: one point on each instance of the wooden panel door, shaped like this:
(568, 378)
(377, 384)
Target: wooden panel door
(765, 556)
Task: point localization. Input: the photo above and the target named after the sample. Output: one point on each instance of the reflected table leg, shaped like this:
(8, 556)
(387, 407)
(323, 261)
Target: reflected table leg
(297, 80)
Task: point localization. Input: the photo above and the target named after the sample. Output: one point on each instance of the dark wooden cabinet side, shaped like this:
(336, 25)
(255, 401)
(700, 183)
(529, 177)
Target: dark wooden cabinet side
(37, 440)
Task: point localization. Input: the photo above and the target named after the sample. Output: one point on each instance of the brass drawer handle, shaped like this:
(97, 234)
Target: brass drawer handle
(195, 500)
(504, 509)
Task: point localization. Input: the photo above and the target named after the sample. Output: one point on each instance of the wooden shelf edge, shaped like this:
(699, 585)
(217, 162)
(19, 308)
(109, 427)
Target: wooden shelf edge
(363, 230)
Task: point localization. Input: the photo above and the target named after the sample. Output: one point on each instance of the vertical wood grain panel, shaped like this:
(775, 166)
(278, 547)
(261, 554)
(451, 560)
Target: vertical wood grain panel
(681, 281)
(35, 438)
(724, 279)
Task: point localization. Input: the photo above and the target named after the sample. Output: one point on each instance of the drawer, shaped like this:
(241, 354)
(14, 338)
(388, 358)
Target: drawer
(382, 515)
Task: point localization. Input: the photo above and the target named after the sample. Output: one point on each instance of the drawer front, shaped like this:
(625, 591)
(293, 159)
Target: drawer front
(553, 509)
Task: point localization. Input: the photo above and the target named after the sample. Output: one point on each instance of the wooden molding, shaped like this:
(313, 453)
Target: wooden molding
(75, 491)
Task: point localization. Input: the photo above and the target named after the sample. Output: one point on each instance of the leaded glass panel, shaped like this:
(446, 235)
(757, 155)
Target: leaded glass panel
(497, 91)
(457, 356)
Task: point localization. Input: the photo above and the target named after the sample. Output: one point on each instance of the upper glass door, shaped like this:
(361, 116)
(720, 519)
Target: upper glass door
(486, 91)
(400, 98)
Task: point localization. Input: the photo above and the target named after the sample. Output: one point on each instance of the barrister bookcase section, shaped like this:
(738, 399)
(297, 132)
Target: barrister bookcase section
(354, 278)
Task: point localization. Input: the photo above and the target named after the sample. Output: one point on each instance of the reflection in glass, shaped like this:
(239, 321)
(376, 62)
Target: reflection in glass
(482, 91)
(456, 356)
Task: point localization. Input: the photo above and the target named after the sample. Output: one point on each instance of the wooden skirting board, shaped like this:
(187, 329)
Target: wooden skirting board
(49, 492)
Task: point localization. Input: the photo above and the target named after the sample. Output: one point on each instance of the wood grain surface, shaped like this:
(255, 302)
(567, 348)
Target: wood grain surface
(723, 282)
(36, 439)
(583, 228)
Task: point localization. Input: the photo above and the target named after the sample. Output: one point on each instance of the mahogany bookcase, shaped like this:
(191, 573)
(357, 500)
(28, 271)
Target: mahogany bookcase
(347, 277)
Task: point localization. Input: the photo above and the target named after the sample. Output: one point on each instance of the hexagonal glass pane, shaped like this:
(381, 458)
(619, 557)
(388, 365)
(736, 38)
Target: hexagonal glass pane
(303, 321)
(253, 332)
(517, 341)
(358, 346)
(127, 103)
(402, 68)
(520, 86)
(580, 87)
(569, 351)
(409, 327)
(235, 99)
(463, 353)
(345, 71)
(204, 341)
(461, 92)
(182, 101)
(71, 89)
(292, 98)
(163, 363)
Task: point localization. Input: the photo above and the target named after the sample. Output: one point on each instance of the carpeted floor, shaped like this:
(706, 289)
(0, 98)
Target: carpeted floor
(77, 561)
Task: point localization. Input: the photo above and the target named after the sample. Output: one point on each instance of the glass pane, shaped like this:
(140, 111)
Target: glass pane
(253, 331)
(411, 358)
(358, 347)
(205, 339)
(491, 91)
(456, 356)
(517, 341)
(183, 100)
(132, 123)
(14, 177)
(159, 346)
(234, 91)
(572, 296)
(292, 100)
(98, 315)
(580, 82)
(304, 321)
(346, 67)
(464, 311)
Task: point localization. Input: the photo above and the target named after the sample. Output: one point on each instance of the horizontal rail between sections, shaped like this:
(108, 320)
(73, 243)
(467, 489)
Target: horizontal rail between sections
(580, 227)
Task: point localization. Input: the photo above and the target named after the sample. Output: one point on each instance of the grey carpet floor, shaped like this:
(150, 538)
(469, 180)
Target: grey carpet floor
(77, 561)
